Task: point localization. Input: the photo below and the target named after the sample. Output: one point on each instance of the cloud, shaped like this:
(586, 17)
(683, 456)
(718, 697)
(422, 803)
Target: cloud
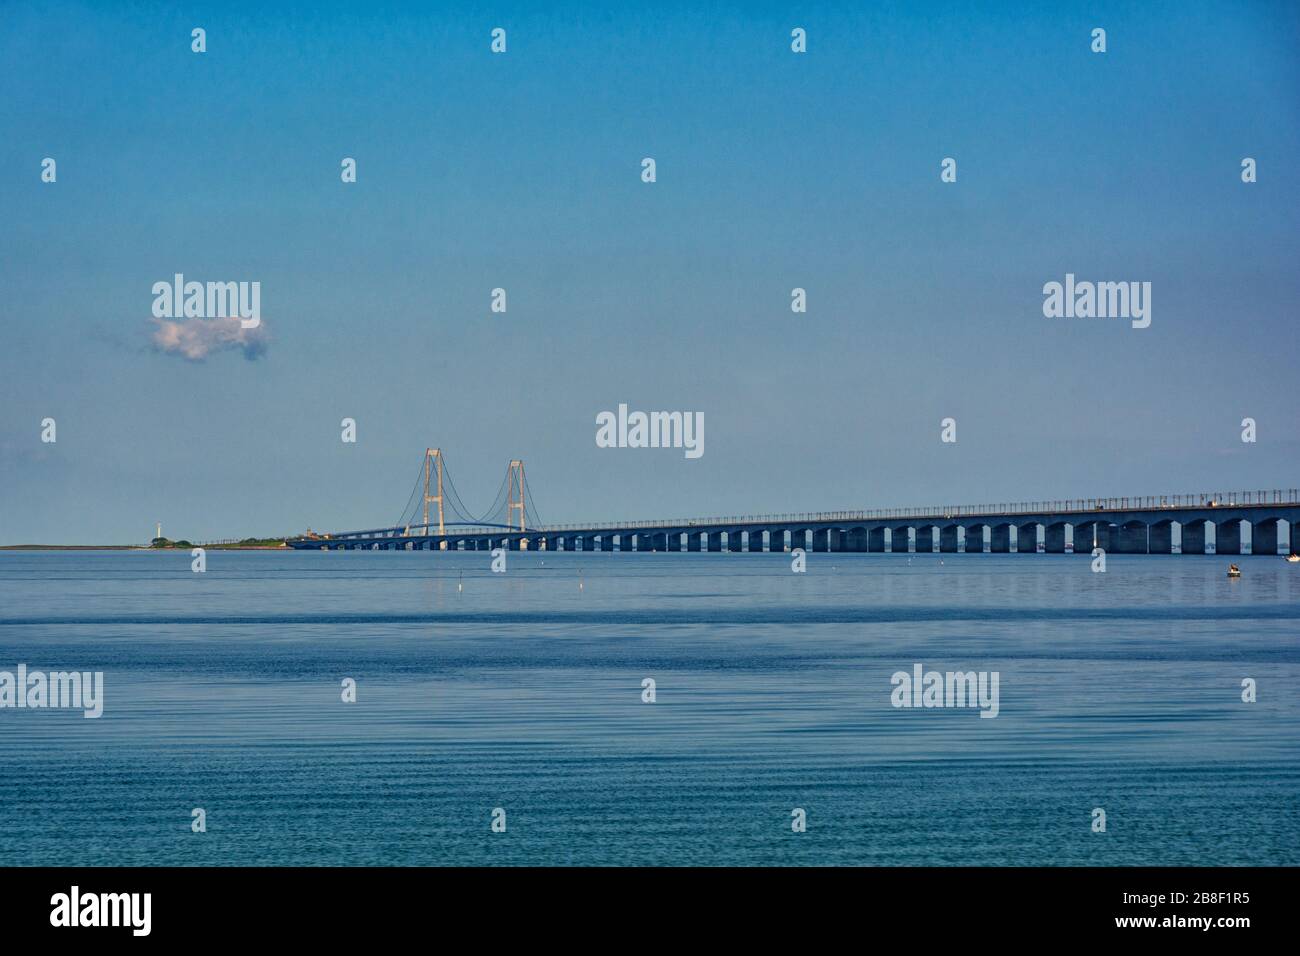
(196, 339)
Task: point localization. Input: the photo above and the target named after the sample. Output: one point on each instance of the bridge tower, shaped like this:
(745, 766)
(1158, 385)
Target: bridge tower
(515, 494)
(433, 469)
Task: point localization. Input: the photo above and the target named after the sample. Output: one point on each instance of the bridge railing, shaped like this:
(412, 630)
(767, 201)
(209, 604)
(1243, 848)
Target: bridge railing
(1256, 498)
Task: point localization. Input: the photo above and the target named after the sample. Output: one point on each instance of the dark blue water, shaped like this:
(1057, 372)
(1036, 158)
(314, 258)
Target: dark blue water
(1119, 690)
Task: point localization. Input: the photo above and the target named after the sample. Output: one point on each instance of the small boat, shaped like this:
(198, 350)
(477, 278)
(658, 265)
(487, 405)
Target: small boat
(1293, 558)
(1234, 571)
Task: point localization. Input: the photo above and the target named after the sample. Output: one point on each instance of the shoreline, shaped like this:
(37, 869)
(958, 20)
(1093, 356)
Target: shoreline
(142, 547)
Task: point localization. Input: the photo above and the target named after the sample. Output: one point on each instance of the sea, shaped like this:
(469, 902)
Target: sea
(415, 708)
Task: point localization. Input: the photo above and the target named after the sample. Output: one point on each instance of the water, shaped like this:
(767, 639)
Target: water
(1119, 690)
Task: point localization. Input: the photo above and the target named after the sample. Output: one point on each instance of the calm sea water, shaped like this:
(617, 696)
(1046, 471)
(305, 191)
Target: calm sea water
(1119, 690)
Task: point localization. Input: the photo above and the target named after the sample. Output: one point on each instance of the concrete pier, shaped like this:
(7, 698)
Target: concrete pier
(1161, 538)
(948, 539)
(1000, 539)
(1227, 537)
(1054, 538)
(1027, 538)
(1263, 537)
(1090, 535)
(974, 539)
(1129, 538)
(925, 539)
(876, 540)
(1193, 537)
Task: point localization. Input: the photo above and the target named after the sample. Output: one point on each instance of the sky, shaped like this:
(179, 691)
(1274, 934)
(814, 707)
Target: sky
(523, 170)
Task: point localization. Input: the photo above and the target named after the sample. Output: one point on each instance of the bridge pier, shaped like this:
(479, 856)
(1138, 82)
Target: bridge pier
(1160, 538)
(693, 540)
(974, 539)
(1130, 538)
(674, 541)
(925, 539)
(1000, 539)
(775, 540)
(821, 540)
(1193, 536)
(876, 540)
(799, 539)
(754, 541)
(1227, 537)
(735, 541)
(948, 539)
(1295, 535)
(900, 540)
(1027, 538)
(1263, 537)
(1054, 538)
(1091, 534)
(588, 542)
(715, 540)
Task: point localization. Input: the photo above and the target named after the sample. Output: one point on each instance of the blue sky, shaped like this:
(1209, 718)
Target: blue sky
(522, 171)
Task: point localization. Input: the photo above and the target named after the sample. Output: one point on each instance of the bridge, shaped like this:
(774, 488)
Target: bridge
(435, 519)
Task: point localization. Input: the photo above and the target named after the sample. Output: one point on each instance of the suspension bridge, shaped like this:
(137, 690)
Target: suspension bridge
(436, 519)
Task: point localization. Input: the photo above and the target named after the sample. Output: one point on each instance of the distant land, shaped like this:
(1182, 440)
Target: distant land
(161, 544)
